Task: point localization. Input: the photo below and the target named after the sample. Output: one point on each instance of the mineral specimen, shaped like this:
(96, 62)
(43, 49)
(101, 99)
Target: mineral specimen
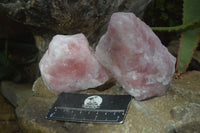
(135, 57)
(70, 65)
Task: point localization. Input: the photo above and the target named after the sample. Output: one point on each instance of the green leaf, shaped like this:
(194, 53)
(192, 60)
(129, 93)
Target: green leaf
(190, 33)
(191, 10)
(191, 24)
(191, 17)
(188, 43)
(3, 56)
(189, 39)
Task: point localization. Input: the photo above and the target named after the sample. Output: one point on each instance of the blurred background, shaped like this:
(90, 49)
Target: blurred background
(27, 26)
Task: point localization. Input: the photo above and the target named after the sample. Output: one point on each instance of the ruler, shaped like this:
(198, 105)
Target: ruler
(90, 108)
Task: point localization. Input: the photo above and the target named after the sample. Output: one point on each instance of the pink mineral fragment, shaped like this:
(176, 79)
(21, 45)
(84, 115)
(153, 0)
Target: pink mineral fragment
(135, 57)
(69, 65)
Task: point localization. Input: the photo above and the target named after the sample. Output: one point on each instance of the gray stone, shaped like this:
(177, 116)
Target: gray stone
(31, 116)
(191, 126)
(8, 120)
(188, 116)
(192, 110)
(40, 89)
(16, 93)
(177, 111)
(46, 18)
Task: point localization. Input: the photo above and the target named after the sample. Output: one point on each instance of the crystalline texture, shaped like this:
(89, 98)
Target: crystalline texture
(70, 65)
(135, 57)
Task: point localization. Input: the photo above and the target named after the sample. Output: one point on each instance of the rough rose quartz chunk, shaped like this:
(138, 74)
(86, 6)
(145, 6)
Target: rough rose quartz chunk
(135, 57)
(70, 65)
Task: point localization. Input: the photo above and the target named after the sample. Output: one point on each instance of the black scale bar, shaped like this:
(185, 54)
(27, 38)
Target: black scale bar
(110, 110)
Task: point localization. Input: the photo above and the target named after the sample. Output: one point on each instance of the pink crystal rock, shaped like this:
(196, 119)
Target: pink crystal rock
(69, 65)
(135, 57)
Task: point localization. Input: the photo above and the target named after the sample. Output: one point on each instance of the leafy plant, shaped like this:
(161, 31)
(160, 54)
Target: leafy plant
(4, 62)
(164, 13)
(190, 33)
(14, 57)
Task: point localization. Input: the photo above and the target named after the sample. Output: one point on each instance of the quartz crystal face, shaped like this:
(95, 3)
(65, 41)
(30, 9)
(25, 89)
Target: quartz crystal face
(69, 65)
(135, 57)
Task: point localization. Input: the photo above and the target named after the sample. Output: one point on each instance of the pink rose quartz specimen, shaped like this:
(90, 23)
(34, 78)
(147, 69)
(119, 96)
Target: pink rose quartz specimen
(69, 65)
(135, 57)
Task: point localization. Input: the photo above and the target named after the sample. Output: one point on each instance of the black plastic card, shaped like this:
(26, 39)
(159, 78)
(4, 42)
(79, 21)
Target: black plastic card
(90, 108)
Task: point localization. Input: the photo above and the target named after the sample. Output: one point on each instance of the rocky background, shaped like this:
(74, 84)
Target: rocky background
(178, 111)
(49, 17)
(37, 21)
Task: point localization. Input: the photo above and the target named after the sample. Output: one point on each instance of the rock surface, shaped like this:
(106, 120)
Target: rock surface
(69, 17)
(44, 92)
(69, 65)
(16, 93)
(177, 111)
(8, 120)
(135, 57)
